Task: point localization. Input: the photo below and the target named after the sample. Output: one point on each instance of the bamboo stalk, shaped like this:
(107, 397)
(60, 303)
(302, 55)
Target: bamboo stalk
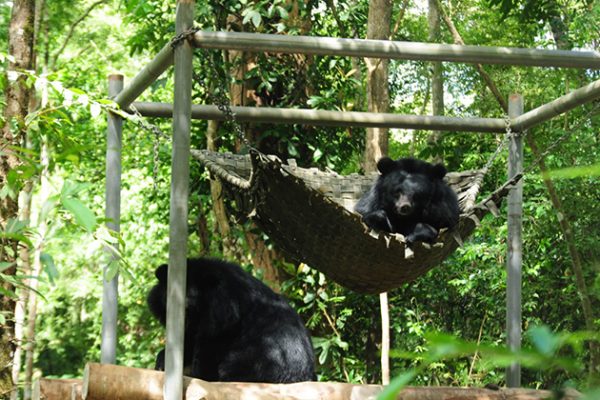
(331, 118)
(110, 293)
(255, 42)
(178, 215)
(514, 257)
(146, 77)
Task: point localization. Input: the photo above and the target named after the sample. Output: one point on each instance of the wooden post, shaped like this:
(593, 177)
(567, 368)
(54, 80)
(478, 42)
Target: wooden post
(108, 350)
(178, 219)
(514, 257)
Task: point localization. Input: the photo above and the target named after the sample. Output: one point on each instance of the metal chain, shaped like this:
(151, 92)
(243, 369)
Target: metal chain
(222, 102)
(219, 98)
(502, 144)
(549, 149)
(139, 120)
(179, 38)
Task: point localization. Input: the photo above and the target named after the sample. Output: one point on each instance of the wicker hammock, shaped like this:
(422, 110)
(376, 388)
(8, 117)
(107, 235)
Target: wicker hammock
(308, 214)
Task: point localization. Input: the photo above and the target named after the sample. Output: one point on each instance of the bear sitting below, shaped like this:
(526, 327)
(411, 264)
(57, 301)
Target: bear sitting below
(236, 328)
(410, 197)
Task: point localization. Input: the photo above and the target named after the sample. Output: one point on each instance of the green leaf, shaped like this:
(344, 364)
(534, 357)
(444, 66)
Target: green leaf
(324, 352)
(6, 292)
(282, 12)
(15, 226)
(83, 215)
(71, 188)
(5, 265)
(256, 20)
(47, 207)
(593, 394)
(397, 384)
(544, 340)
(111, 270)
(576, 172)
(16, 237)
(252, 15)
(49, 266)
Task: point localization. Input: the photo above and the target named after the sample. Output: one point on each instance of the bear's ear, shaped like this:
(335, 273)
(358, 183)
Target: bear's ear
(161, 272)
(438, 171)
(386, 165)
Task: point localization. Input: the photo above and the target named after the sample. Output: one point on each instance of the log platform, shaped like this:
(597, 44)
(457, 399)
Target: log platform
(113, 382)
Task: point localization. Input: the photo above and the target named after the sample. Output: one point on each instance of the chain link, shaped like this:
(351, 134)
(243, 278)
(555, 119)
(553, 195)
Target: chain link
(502, 144)
(219, 98)
(177, 39)
(141, 122)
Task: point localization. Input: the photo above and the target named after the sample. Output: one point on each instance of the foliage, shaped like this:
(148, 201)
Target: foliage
(542, 352)
(463, 297)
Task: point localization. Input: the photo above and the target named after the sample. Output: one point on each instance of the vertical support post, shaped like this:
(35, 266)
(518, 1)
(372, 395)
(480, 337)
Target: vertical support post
(514, 259)
(110, 293)
(178, 219)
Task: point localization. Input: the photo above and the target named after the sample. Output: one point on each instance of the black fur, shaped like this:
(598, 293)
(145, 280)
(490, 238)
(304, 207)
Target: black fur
(410, 197)
(236, 329)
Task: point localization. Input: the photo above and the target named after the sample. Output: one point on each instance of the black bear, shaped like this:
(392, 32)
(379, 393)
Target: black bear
(410, 197)
(236, 328)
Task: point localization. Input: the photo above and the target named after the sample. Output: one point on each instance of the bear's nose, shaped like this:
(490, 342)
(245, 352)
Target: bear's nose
(405, 209)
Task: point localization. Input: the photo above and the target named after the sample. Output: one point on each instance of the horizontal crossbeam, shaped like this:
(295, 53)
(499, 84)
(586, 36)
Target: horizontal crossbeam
(256, 42)
(330, 118)
(556, 107)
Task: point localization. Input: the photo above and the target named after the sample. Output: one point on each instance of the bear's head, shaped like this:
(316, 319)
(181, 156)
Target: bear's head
(407, 185)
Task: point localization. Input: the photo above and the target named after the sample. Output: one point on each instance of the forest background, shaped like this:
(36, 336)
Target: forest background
(58, 170)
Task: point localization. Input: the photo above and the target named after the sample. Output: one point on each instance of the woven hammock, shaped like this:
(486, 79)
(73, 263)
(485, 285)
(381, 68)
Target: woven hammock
(309, 215)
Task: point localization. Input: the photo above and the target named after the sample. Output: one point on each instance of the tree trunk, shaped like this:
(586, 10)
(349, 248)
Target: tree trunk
(376, 146)
(216, 193)
(437, 75)
(378, 99)
(23, 292)
(16, 96)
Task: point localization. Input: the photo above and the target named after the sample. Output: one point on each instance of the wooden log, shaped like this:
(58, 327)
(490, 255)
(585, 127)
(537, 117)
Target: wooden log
(112, 382)
(59, 389)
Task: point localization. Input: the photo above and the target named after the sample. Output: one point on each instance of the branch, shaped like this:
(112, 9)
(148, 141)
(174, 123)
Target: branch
(72, 31)
(331, 6)
(399, 18)
(484, 75)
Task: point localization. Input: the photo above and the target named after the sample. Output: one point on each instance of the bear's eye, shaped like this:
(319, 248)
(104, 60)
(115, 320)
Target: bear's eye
(421, 195)
(396, 191)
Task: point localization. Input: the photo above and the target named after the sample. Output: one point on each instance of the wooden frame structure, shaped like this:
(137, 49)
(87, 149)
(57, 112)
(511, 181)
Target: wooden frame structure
(182, 111)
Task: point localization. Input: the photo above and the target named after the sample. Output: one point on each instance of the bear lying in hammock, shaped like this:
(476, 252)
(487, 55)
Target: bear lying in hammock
(410, 197)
